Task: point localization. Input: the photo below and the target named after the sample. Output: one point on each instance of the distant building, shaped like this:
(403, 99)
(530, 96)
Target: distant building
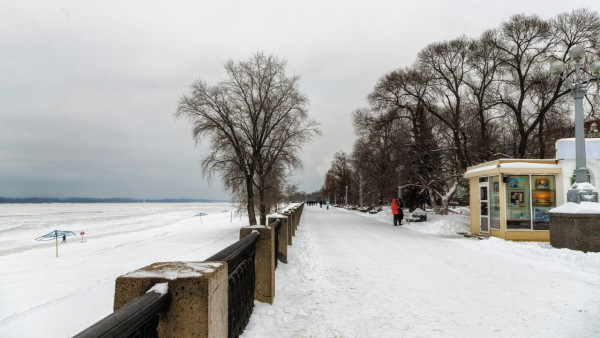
(591, 128)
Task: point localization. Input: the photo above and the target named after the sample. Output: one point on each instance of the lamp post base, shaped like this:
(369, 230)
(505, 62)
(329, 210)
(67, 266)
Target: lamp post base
(580, 192)
(575, 231)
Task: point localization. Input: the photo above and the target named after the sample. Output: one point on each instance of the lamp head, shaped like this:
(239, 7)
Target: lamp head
(557, 67)
(577, 53)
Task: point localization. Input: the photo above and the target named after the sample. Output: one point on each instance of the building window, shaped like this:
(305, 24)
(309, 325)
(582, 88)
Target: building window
(529, 199)
(543, 198)
(495, 202)
(518, 211)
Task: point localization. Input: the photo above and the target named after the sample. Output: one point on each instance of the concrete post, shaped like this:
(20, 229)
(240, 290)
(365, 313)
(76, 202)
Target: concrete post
(296, 219)
(282, 239)
(291, 213)
(301, 209)
(199, 292)
(264, 262)
(291, 218)
(298, 214)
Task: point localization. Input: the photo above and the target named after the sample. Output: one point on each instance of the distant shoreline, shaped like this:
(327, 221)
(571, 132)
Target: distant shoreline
(40, 200)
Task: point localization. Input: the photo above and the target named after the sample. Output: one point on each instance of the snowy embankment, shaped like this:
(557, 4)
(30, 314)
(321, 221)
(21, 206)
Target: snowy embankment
(349, 274)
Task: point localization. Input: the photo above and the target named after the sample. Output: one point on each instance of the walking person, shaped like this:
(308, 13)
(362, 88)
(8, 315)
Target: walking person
(327, 204)
(400, 212)
(397, 211)
(64, 238)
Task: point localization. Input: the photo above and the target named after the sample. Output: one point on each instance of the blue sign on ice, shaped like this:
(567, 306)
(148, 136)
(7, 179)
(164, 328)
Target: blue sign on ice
(54, 234)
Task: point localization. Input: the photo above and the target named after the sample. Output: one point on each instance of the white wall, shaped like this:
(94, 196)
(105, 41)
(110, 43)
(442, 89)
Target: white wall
(565, 153)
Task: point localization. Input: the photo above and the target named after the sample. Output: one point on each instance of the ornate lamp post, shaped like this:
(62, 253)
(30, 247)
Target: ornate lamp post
(579, 87)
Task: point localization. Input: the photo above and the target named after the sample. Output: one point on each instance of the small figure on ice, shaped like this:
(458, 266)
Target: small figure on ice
(64, 238)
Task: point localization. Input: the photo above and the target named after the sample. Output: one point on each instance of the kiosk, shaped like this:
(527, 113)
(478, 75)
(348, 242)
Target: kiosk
(511, 198)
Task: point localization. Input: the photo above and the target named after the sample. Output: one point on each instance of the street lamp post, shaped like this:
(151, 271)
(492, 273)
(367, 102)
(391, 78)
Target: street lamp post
(578, 88)
(360, 188)
(346, 199)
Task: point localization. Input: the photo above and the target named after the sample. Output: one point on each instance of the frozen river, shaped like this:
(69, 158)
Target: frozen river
(45, 296)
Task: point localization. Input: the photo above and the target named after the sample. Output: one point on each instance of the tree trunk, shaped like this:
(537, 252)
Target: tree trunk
(250, 206)
(522, 149)
(542, 140)
(262, 209)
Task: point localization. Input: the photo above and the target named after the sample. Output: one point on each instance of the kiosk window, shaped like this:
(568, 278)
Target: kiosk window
(543, 198)
(518, 203)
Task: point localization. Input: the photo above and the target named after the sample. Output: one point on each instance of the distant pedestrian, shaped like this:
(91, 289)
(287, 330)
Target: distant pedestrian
(397, 211)
(321, 204)
(400, 212)
(327, 204)
(64, 238)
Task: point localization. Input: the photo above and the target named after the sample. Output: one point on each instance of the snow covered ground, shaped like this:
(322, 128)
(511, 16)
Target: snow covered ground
(349, 274)
(356, 275)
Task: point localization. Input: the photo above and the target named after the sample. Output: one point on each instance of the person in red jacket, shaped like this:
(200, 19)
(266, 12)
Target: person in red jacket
(397, 211)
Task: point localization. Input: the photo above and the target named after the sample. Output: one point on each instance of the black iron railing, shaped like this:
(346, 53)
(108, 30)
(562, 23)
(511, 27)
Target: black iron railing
(240, 260)
(138, 318)
(276, 225)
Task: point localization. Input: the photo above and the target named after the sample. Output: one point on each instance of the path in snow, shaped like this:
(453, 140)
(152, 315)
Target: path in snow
(350, 275)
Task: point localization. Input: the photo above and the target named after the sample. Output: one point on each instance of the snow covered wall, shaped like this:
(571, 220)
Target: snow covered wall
(565, 149)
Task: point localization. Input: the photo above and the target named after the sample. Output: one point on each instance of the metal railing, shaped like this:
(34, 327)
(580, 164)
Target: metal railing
(138, 318)
(240, 261)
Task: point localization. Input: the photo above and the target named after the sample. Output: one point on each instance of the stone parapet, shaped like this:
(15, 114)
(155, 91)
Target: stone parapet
(290, 216)
(199, 292)
(264, 262)
(282, 239)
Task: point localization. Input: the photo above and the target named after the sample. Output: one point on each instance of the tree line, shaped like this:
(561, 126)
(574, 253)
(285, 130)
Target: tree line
(463, 102)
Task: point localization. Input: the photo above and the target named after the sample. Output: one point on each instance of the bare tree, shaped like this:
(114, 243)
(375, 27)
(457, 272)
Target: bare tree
(256, 120)
(467, 101)
(375, 149)
(340, 175)
(448, 65)
(481, 81)
(406, 95)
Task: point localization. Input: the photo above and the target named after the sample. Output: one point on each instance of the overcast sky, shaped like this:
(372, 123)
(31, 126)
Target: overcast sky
(88, 88)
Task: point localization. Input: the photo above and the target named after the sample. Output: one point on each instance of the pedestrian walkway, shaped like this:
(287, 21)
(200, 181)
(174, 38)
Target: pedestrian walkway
(350, 275)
